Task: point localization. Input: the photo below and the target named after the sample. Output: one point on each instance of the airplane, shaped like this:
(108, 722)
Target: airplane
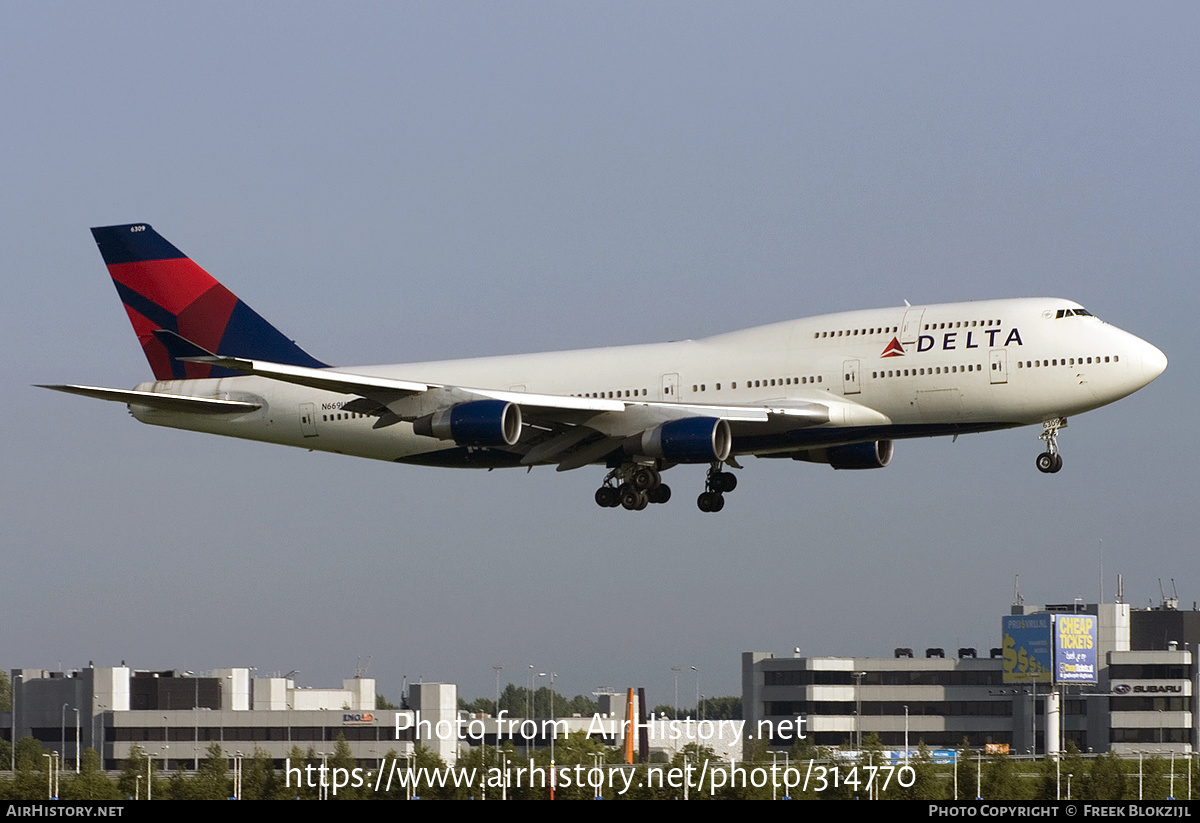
(837, 389)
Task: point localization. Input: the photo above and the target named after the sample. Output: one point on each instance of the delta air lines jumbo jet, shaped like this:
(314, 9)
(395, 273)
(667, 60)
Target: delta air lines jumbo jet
(836, 389)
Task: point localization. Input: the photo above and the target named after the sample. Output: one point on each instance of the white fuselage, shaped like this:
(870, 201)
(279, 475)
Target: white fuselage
(884, 373)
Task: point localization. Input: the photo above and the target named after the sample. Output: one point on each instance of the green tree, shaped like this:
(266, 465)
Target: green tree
(259, 779)
(426, 761)
(926, 781)
(298, 777)
(342, 765)
(91, 783)
(722, 708)
(30, 781)
(1001, 780)
(1056, 774)
(212, 778)
(5, 692)
(1155, 784)
(180, 787)
(133, 779)
(1107, 780)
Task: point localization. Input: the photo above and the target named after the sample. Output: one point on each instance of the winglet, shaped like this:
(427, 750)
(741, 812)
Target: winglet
(162, 289)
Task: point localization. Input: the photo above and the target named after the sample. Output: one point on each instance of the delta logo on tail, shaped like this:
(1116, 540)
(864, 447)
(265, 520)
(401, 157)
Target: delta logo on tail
(894, 349)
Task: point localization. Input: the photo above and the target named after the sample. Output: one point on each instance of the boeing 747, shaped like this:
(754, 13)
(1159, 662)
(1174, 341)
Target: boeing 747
(838, 389)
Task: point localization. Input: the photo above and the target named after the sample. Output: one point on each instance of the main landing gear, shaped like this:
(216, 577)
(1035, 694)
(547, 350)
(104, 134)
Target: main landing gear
(633, 487)
(712, 499)
(1050, 461)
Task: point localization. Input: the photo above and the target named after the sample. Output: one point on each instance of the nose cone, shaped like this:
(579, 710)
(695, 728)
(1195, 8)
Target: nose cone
(1154, 362)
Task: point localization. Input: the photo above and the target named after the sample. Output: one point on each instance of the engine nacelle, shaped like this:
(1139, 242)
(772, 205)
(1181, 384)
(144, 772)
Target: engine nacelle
(691, 440)
(873, 455)
(478, 423)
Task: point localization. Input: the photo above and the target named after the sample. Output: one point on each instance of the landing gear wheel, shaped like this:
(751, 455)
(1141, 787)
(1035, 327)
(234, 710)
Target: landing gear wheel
(724, 482)
(659, 494)
(607, 497)
(710, 502)
(646, 478)
(632, 499)
(1057, 463)
(1048, 463)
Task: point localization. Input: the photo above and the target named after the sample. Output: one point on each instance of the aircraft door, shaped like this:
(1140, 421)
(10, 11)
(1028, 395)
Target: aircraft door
(998, 369)
(308, 420)
(670, 387)
(911, 327)
(850, 378)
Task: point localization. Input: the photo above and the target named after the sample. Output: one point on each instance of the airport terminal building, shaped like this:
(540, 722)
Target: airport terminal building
(174, 717)
(1144, 698)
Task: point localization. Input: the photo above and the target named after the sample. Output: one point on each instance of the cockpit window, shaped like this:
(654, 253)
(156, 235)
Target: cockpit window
(1073, 313)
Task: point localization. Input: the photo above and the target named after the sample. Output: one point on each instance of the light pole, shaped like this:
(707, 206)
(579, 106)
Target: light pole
(905, 734)
(675, 670)
(858, 676)
(553, 728)
(76, 740)
(596, 766)
(497, 669)
(62, 727)
(697, 671)
(323, 790)
(51, 775)
(13, 765)
(529, 707)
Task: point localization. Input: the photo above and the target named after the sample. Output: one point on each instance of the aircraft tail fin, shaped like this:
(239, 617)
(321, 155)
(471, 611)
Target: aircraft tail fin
(163, 289)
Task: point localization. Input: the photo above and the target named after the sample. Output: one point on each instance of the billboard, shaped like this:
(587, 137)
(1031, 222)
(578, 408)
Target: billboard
(1075, 648)
(1027, 645)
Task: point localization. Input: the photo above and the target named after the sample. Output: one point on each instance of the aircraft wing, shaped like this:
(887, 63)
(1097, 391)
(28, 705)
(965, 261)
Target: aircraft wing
(155, 400)
(572, 431)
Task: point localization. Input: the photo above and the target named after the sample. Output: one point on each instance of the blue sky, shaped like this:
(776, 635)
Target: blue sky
(391, 182)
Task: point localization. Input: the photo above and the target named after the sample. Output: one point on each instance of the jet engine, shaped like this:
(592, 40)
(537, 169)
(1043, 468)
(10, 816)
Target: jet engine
(691, 440)
(478, 423)
(873, 455)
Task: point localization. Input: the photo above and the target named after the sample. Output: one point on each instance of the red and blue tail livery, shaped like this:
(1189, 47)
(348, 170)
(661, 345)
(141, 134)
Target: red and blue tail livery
(838, 389)
(162, 288)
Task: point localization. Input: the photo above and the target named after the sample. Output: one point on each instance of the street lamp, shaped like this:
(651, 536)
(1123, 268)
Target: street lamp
(62, 727)
(553, 729)
(529, 707)
(697, 671)
(497, 669)
(858, 676)
(675, 670)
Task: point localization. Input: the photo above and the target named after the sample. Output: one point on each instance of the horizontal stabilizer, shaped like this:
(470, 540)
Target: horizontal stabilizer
(165, 402)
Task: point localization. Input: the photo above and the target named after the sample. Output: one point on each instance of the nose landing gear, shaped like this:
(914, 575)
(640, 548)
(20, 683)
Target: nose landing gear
(1050, 461)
